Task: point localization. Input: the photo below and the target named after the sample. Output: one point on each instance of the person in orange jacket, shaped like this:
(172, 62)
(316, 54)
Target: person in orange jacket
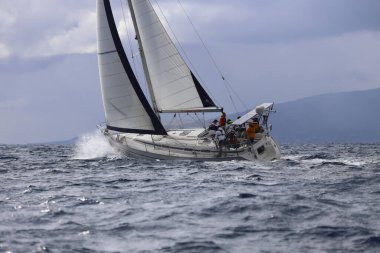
(252, 130)
(222, 120)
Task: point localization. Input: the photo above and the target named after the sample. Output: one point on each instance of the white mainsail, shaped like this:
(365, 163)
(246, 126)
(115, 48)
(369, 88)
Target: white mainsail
(126, 107)
(174, 88)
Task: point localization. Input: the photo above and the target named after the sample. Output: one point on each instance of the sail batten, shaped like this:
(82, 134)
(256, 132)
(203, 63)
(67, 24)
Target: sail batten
(172, 84)
(126, 108)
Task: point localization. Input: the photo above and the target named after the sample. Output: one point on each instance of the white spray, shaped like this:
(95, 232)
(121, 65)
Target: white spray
(93, 146)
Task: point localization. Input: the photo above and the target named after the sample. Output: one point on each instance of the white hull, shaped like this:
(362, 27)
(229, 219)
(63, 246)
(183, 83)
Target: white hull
(186, 145)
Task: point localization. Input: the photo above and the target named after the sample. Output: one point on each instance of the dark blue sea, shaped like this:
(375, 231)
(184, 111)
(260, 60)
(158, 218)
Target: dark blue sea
(87, 198)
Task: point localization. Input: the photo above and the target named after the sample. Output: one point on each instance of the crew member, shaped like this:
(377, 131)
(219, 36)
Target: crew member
(219, 139)
(212, 128)
(252, 129)
(222, 120)
(229, 126)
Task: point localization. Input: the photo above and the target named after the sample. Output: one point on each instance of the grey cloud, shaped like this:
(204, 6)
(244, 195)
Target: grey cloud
(31, 24)
(265, 21)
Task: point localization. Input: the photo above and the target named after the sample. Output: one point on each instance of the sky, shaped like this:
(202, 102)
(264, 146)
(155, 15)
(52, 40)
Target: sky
(268, 50)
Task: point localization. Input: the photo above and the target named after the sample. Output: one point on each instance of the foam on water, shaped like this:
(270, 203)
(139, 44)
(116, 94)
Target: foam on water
(316, 160)
(93, 146)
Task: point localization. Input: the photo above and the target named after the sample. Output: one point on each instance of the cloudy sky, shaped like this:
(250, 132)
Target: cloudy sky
(269, 50)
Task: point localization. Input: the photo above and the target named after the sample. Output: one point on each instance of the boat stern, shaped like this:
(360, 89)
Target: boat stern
(265, 149)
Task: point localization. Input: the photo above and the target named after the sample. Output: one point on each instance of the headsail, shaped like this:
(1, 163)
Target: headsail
(126, 107)
(174, 87)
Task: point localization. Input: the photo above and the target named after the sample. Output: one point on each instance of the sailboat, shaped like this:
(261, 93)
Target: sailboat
(133, 124)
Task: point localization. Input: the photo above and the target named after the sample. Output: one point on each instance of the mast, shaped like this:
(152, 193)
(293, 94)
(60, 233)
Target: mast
(143, 59)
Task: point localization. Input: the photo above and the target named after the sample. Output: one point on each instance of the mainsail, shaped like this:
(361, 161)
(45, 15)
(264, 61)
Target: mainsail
(126, 107)
(173, 86)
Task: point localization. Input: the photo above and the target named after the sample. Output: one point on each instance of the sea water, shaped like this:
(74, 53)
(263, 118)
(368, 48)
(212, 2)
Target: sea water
(88, 198)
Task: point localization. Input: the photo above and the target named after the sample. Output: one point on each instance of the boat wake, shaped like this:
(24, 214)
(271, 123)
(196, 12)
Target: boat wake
(94, 146)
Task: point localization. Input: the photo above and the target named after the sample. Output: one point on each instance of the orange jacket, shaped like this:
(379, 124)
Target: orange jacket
(222, 121)
(252, 130)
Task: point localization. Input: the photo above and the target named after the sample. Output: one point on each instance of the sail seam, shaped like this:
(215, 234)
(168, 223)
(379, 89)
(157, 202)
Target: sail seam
(154, 36)
(153, 23)
(156, 48)
(145, 13)
(173, 81)
(168, 70)
(119, 97)
(106, 39)
(114, 86)
(117, 85)
(107, 52)
(113, 74)
(178, 92)
(186, 101)
(109, 63)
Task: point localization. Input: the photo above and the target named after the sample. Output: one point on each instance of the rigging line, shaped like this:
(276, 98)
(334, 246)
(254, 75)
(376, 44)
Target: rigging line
(200, 38)
(233, 103)
(204, 120)
(184, 53)
(192, 118)
(234, 92)
(129, 35)
(210, 55)
(199, 119)
(171, 121)
(180, 121)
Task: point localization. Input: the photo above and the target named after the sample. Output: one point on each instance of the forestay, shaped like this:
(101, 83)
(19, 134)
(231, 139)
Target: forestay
(126, 107)
(173, 85)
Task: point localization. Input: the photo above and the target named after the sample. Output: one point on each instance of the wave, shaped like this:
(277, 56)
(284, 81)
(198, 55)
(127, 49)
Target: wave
(194, 246)
(371, 242)
(8, 157)
(321, 155)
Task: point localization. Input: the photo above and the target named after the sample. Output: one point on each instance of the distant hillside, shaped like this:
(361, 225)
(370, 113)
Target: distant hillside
(64, 142)
(340, 117)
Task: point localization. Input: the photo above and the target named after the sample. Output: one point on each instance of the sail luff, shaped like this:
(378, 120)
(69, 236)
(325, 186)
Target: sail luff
(143, 60)
(173, 85)
(126, 107)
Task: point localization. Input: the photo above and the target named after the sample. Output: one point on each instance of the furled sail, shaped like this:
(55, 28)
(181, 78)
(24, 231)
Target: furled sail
(126, 107)
(174, 87)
